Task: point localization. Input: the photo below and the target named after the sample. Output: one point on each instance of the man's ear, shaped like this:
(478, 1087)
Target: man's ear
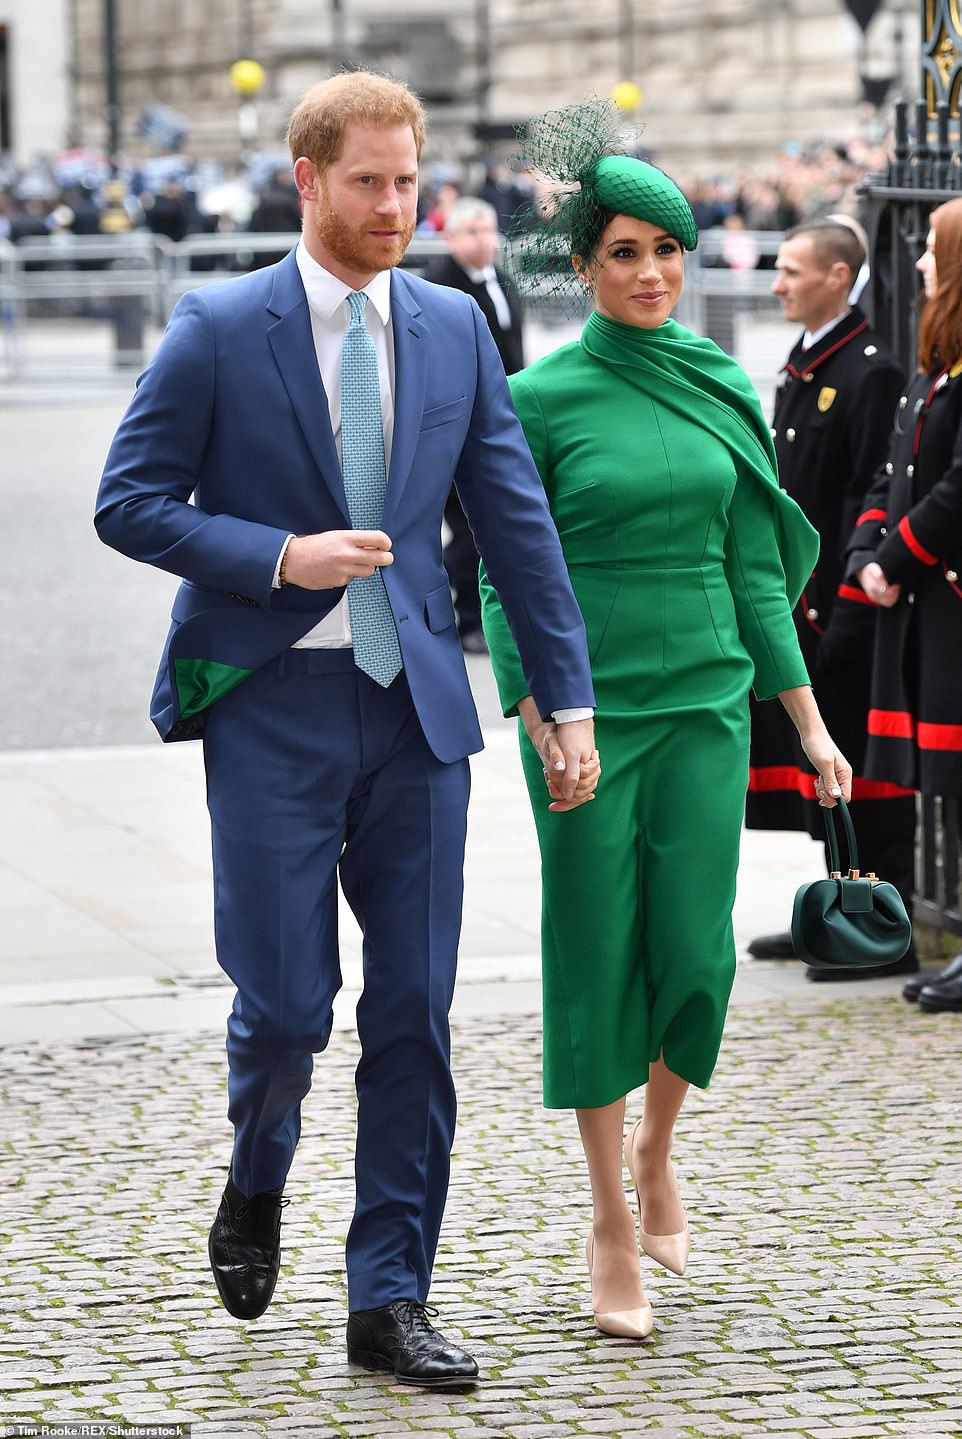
(305, 178)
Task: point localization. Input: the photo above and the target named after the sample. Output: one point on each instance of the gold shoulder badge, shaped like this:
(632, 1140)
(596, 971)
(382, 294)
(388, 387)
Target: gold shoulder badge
(956, 370)
(826, 398)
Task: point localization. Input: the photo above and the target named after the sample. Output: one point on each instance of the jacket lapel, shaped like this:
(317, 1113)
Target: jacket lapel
(292, 342)
(410, 375)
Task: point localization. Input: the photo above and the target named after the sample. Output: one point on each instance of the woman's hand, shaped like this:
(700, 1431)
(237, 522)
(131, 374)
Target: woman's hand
(571, 778)
(834, 779)
(872, 579)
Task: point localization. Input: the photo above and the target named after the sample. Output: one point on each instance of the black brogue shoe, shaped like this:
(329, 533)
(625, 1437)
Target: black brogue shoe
(398, 1338)
(245, 1249)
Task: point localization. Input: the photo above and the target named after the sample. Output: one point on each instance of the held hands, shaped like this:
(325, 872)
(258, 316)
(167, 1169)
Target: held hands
(567, 751)
(872, 579)
(333, 558)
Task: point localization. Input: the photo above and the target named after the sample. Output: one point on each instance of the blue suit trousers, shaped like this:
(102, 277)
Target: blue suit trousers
(314, 774)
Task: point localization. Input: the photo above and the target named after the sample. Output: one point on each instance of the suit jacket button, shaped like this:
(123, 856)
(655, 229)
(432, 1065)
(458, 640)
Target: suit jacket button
(811, 614)
(790, 436)
(951, 576)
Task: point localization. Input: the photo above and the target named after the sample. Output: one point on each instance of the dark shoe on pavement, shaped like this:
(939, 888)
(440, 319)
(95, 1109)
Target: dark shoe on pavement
(945, 994)
(398, 1338)
(245, 1249)
(473, 642)
(953, 970)
(908, 964)
(772, 946)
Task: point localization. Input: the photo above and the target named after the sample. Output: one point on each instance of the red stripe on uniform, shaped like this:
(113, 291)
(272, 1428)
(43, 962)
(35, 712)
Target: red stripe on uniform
(767, 779)
(891, 724)
(940, 736)
(869, 515)
(919, 551)
(878, 789)
(764, 778)
(851, 592)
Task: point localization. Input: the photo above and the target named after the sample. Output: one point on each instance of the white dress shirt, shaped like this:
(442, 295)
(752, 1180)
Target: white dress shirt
(489, 279)
(812, 337)
(330, 315)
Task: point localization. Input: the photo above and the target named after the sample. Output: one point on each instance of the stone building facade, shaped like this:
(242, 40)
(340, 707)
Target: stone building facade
(724, 82)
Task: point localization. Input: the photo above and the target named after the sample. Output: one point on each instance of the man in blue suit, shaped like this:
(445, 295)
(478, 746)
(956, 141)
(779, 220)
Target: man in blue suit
(317, 412)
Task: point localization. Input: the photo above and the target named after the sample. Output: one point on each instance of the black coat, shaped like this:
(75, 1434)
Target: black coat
(833, 414)
(912, 527)
(445, 270)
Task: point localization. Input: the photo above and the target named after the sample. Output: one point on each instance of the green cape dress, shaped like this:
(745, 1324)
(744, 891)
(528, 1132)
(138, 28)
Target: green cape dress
(686, 559)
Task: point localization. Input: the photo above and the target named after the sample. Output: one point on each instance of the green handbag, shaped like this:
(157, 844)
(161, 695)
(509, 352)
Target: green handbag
(849, 921)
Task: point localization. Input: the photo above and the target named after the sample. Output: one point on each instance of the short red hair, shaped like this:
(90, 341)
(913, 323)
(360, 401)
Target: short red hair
(317, 125)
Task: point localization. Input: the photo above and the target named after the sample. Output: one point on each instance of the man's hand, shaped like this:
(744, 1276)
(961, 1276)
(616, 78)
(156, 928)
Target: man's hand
(872, 579)
(571, 764)
(332, 559)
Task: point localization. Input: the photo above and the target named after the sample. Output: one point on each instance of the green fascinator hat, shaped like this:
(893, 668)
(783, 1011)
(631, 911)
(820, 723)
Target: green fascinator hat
(578, 156)
(626, 186)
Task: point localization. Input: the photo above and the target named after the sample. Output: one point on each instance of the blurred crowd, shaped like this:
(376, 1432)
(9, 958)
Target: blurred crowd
(174, 197)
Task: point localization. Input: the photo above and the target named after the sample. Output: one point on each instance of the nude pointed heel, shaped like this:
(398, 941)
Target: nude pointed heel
(622, 1323)
(669, 1250)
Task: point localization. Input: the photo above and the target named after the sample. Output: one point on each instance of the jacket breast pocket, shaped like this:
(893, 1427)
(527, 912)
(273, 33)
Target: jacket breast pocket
(439, 609)
(444, 414)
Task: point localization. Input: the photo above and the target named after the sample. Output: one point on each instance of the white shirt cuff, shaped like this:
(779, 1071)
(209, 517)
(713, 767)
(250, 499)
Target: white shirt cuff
(276, 581)
(569, 716)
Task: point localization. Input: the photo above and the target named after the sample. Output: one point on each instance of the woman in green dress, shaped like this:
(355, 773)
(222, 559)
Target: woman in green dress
(686, 559)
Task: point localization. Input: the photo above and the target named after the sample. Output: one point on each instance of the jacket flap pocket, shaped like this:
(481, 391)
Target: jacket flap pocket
(439, 609)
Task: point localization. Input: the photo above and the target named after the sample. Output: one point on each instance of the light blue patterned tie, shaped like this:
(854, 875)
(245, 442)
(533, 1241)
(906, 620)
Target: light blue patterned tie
(376, 648)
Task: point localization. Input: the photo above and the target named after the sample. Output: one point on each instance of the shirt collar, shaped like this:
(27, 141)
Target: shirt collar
(480, 277)
(812, 337)
(325, 292)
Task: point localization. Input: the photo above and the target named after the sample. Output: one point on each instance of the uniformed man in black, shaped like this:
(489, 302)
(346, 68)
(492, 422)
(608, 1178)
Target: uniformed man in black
(471, 232)
(833, 416)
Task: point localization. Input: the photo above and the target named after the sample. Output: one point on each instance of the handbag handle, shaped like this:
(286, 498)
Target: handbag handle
(849, 840)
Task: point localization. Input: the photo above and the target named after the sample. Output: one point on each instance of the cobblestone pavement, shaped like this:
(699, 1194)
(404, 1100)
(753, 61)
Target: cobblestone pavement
(821, 1172)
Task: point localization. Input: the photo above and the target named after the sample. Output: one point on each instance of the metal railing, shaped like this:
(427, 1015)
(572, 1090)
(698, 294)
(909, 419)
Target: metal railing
(78, 308)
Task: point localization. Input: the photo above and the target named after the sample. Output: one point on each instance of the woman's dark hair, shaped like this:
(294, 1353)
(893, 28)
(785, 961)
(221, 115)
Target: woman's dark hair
(940, 328)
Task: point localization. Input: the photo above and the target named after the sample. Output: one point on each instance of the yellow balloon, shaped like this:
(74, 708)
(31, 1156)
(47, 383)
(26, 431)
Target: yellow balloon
(626, 95)
(247, 76)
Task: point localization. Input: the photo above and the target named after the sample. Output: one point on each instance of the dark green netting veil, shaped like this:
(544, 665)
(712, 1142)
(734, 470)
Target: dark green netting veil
(578, 157)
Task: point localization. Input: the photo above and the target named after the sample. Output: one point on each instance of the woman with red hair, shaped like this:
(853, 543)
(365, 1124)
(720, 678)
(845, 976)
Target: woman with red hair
(906, 552)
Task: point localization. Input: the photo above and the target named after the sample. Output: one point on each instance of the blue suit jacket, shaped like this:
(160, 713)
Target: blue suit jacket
(231, 412)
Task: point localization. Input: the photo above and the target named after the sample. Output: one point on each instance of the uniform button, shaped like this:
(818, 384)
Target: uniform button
(889, 467)
(911, 599)
(870, 350)
(790, 436)
(811, 614)
(910, 471)
(951, 576)
(883, 530)
(808, 379)
(903, 402)
(774, 433)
